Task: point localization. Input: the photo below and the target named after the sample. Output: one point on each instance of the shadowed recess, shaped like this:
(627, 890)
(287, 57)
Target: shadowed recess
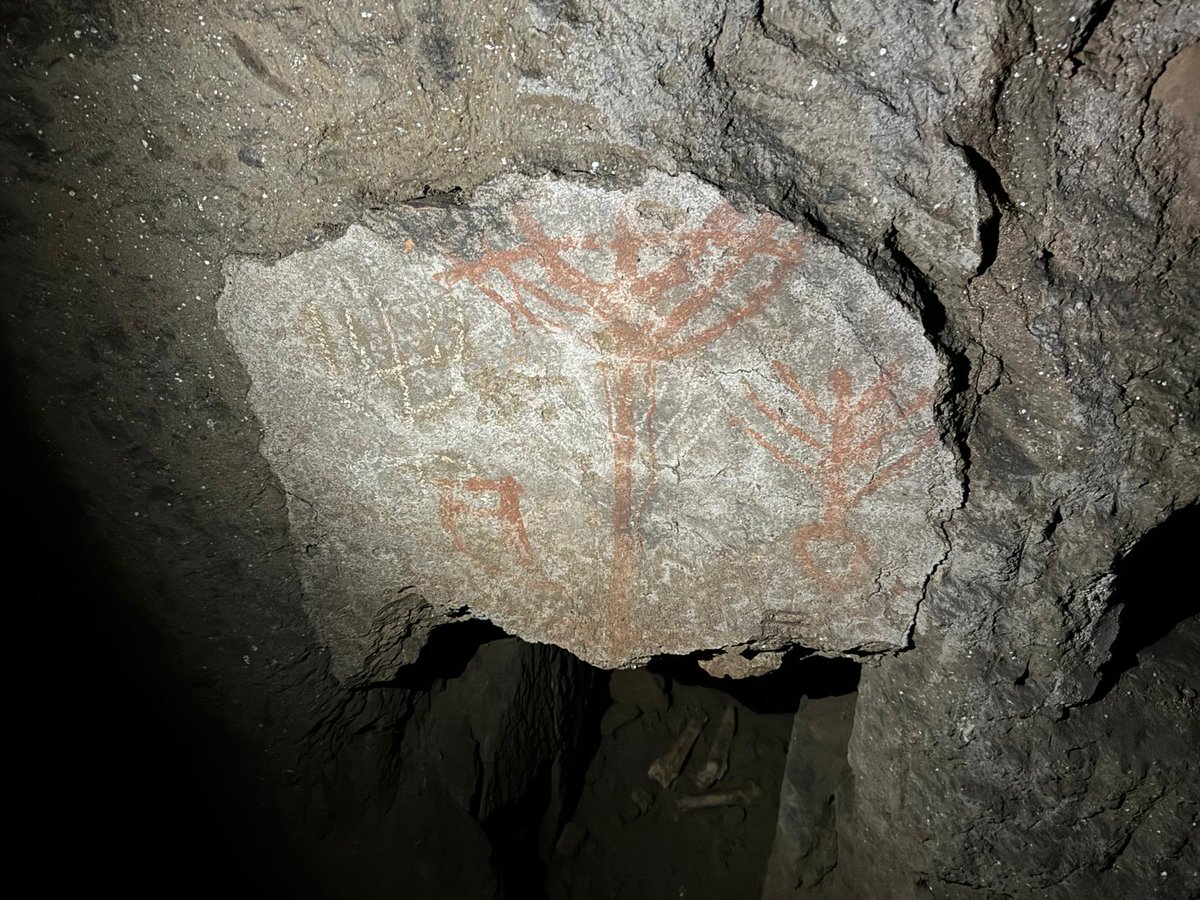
(1148, 589)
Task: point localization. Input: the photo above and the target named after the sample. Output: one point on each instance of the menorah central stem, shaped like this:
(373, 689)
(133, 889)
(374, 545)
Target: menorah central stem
(625, 380)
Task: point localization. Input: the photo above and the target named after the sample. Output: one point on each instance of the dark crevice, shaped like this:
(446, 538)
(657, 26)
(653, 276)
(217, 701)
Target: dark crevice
(817, 224)
(1023, 677)
(801, 674)
(438, 199)
(992, 185)
(989, 241)
(121, 742)
(525, 778)
(917, 285)
(1152, 591)
(1094, 19)
(757, 15)
(986, 173)
(935, 321)
(525, 833)
(446, 653)
(1052, 526)
(956, 411)
(632, 835)
(513, 833)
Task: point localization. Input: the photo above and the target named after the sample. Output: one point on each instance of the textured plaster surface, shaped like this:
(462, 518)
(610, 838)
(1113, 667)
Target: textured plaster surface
(627, 422)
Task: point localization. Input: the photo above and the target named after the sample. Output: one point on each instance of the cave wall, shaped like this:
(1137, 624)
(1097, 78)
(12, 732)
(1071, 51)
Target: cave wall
(1020, 178)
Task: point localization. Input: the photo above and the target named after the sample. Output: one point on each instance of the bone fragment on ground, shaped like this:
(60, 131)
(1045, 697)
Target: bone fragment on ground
(736, 665)
(667, 767)
(729, 797)
(717, 763)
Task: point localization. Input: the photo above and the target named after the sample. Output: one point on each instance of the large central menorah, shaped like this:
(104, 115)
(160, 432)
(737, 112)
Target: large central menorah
(639, 297)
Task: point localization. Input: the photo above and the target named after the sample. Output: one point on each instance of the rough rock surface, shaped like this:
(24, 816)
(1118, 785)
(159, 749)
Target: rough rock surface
(627, 422)
(1021, 176)
(804, 852)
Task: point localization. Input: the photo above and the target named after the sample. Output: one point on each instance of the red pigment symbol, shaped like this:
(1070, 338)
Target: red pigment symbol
(495, 502)
(850, 451)
(657, 301)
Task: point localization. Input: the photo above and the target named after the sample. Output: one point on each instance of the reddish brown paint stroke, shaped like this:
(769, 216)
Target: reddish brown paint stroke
(496, 501)
(847, 453)
(620, 317)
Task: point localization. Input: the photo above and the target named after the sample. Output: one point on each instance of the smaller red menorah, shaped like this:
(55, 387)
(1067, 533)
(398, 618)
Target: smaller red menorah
(850, 460)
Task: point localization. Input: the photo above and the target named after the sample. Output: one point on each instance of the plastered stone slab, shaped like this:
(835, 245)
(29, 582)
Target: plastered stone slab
(627, 422)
